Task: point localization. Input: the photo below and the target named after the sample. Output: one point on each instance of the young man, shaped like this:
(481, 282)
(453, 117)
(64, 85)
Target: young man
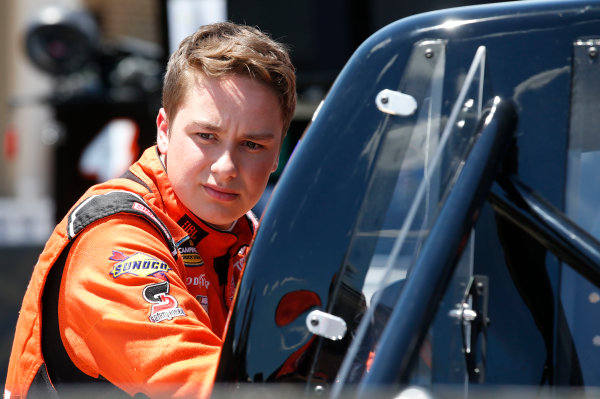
(133, 289)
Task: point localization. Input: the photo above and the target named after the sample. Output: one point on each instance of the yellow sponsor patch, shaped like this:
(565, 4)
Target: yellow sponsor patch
(192, 260)
(190, 256)
(138, 264)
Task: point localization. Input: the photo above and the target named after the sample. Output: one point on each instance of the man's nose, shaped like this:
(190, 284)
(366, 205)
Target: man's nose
(224, 165)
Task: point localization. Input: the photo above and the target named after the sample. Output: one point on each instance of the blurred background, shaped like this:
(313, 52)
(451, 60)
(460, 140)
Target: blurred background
(80, 88)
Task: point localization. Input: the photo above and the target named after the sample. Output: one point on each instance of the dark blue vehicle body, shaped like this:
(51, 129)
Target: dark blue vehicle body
(474, 263)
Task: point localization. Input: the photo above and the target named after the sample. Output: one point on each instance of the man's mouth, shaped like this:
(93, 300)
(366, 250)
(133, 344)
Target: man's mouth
(220, 194)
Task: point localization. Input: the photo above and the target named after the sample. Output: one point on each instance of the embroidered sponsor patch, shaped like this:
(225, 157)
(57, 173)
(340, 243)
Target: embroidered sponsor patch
(190, 255)
(191, 228)
(138, 264)
(164, 306)
(240, 259)
(203, 299)
(198, 281)
(230, 292)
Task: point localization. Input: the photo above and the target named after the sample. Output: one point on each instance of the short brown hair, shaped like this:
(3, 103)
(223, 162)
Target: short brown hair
(226, 48)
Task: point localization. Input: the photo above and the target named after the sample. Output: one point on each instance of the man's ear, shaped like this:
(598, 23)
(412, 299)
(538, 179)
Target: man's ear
(276, 163)
(162, 131)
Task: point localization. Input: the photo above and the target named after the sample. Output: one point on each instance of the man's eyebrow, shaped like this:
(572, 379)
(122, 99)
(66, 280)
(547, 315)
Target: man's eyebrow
(215, 128)
(260, 136)
(205, 126)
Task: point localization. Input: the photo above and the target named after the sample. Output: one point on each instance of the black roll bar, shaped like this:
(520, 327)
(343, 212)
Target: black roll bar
(423, 290)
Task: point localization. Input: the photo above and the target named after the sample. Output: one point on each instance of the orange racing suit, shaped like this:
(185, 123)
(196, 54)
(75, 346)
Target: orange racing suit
(131, 290)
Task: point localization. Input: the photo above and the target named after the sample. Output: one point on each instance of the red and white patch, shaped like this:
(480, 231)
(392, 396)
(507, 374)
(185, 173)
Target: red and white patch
(164, 306)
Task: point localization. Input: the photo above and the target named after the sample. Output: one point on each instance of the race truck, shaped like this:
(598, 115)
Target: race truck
(437, 225)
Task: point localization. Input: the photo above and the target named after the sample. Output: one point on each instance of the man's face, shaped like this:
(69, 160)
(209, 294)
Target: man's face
(221, 146)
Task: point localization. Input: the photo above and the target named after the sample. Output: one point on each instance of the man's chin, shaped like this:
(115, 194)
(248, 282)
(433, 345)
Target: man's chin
(224, 222)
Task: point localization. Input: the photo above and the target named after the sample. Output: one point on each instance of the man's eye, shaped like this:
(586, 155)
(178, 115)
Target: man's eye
(206, 136)
(252, 145)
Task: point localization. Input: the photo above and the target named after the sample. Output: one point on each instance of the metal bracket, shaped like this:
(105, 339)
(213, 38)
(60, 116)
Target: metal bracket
(585, 84)
(422, 78)
(463, 312)
(395, 103)
(326, 325)
(473, 313)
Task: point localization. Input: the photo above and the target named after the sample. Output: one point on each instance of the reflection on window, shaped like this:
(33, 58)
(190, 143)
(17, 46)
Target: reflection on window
(396, 219)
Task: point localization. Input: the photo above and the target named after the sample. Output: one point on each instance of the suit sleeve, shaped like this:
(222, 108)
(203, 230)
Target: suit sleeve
(125, 313)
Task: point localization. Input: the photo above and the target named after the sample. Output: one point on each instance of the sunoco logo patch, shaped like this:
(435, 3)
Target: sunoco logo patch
(138, 264)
